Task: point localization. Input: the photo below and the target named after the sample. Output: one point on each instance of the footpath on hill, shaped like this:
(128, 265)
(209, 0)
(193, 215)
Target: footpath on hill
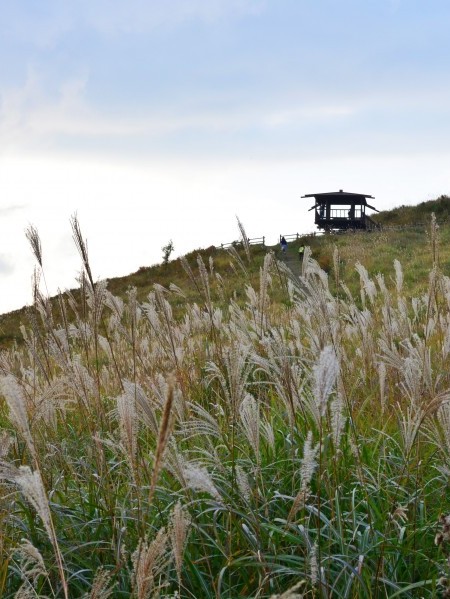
(291, 259)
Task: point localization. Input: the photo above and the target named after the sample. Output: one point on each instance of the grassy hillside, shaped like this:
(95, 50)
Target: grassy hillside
(376, 250)
(252, 434)
(420, 213)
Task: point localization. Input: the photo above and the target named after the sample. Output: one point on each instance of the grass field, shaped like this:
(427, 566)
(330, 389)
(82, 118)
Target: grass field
(245, 433)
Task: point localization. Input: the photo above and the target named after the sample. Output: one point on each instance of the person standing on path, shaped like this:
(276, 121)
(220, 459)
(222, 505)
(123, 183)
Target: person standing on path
(283, 243)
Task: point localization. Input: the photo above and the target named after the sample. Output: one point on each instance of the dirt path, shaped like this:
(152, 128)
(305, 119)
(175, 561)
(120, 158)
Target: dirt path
(290, 258)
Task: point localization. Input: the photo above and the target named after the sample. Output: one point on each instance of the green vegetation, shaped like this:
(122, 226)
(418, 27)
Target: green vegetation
(245, 433)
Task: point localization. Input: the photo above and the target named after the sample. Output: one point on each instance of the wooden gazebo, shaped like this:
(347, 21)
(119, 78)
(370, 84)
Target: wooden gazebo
(341, 210)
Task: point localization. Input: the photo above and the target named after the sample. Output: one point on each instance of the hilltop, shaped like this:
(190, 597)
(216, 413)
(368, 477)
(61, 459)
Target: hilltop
(376, 251)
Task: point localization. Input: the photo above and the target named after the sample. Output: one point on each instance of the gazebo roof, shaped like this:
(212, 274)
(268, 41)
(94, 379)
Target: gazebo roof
(339, 195)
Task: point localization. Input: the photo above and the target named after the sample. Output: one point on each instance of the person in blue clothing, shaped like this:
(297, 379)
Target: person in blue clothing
(283, 243)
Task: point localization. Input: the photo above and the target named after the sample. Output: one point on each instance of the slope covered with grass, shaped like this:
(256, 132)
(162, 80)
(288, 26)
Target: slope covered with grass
(261, 435)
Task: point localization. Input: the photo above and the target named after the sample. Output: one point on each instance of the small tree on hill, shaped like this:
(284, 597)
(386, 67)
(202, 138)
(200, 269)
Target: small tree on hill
(167, 250)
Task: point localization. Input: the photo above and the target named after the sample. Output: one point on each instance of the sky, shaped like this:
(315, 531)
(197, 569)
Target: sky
(165, 119)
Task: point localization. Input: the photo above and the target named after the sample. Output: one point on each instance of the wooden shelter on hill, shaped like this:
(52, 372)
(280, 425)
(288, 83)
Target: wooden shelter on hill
(341, 210)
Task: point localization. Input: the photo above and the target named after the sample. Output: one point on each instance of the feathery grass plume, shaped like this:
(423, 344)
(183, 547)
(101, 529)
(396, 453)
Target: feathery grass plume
(165, 430)
(51, 399)
(438, 431)
(204, 425)
(96, 299)
(308, 464)
(180, 522)
(188, 270)
(292, 592)
(232, 251)
(6, 442)
(336, 268)
(16, 402)
(250, 419)
(198, 478)
(31, 562)
(325, 374)
(398, 276)
(382, 381)
(264, 283)
(128, 425)
(149, 560)
(337, 419)
(410, 422)
(234, 376)
(307, 261)
(27, 591)
(81, 246)
(243, 484)
(144, 407)
(31, 485)
(101, 586)
(245, 239)
(313, 565)
(31, 233)
(367, 285)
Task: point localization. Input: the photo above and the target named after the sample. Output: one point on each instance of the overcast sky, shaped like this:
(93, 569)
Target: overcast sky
(163, 119)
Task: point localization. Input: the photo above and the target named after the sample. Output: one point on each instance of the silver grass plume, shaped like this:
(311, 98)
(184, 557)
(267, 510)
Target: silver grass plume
(409, 425)
(27, 591)
(101, 585)
(31, 485)
(31, 562)
(6, 442)
(145, 408)
(128, 425)
(325, 374)
(367, 285)
(308, 464)
(336, 267)
(250, 419)
(180, 522)
(243, 484)
(313, 565)
(205, 424)
(245, 240)
(337, 419)
(398, 276)
(235, 255)
(31, 233)
(165, 430)
(198, 478)
(292, 592)
(18, 415)
(382, 379)
(81, 246)
(149, 560)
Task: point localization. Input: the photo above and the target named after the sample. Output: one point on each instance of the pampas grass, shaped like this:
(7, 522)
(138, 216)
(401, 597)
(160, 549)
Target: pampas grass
(288, 438)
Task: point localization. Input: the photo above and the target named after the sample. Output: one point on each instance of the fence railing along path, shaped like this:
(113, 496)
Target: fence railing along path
(297, 236)
(251, 241)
